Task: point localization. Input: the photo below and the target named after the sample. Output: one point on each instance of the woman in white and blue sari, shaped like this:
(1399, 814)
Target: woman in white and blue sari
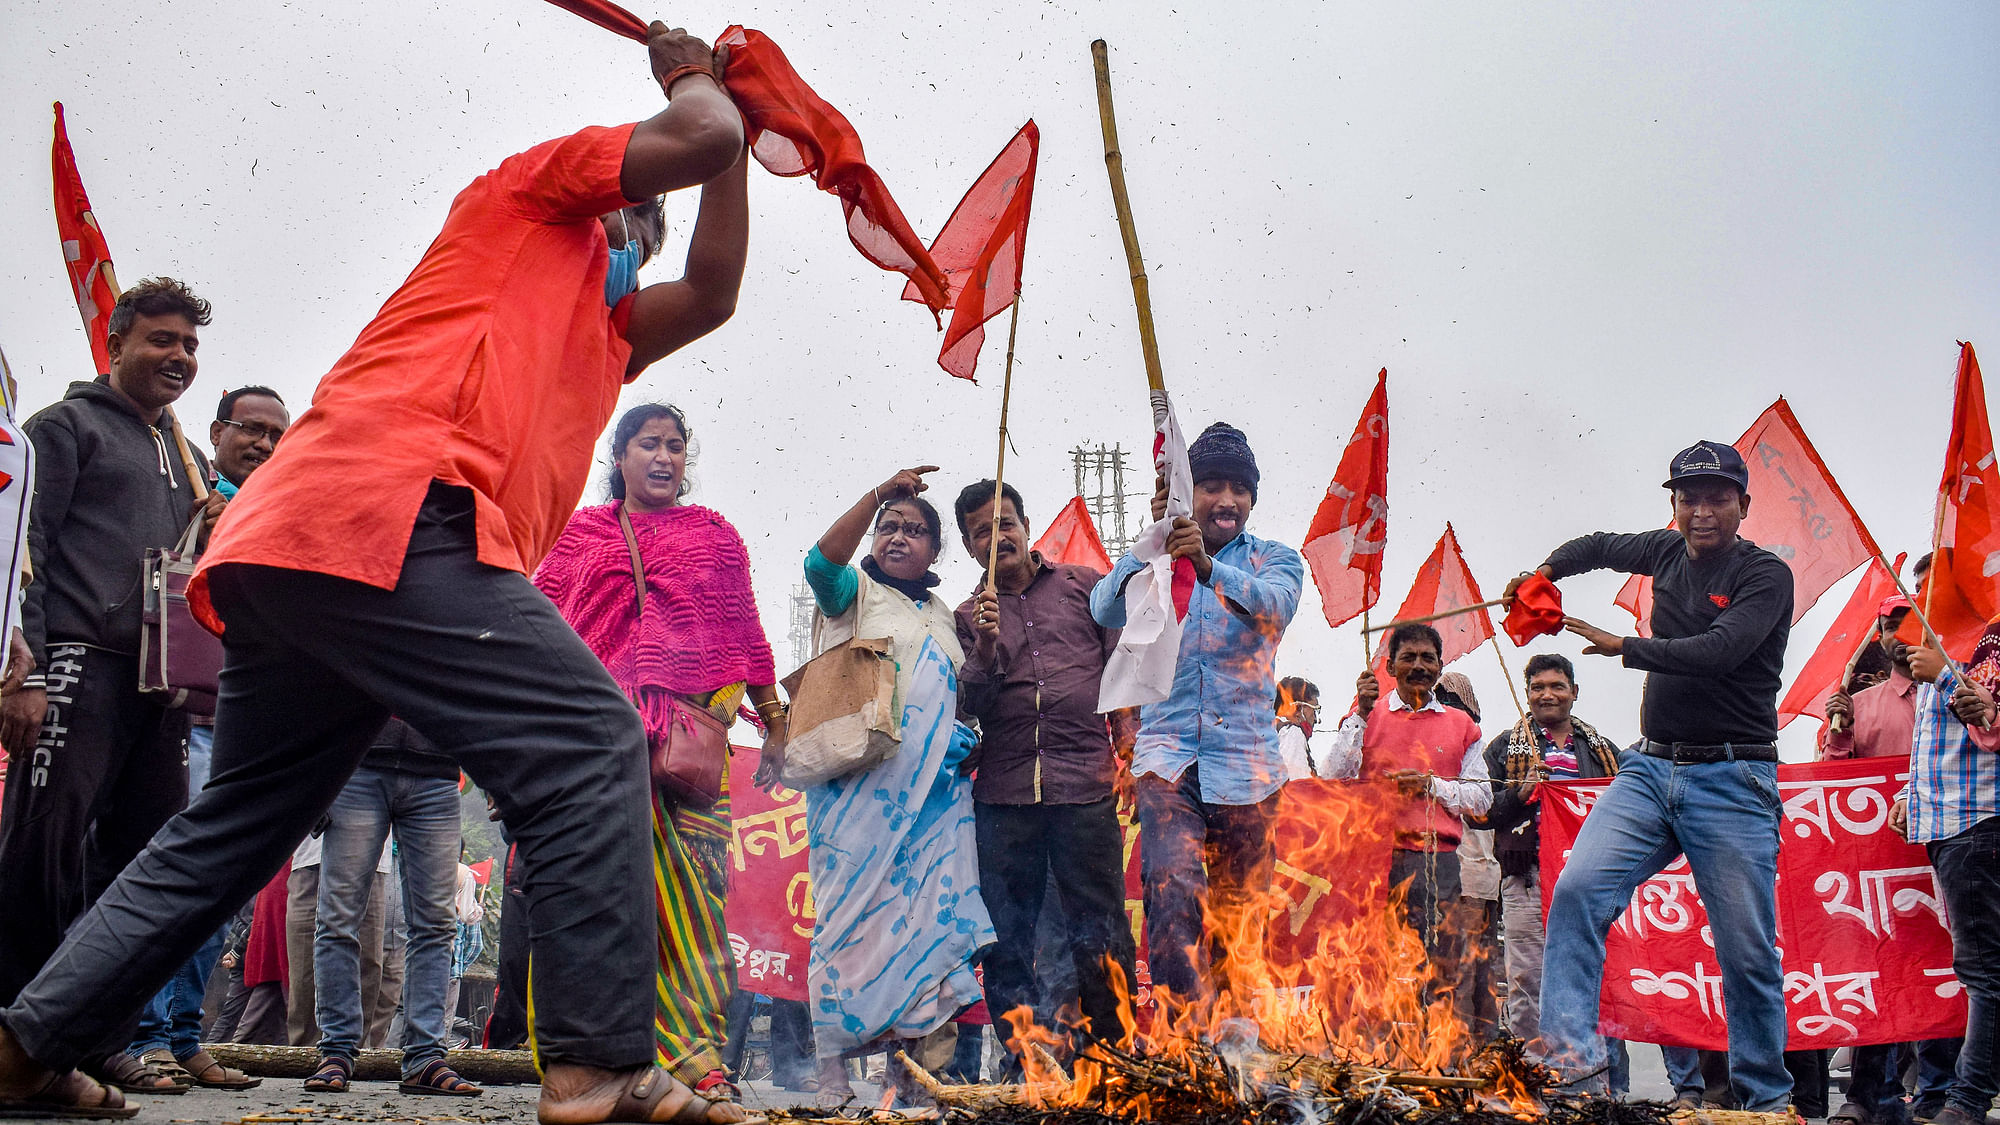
(895, 871)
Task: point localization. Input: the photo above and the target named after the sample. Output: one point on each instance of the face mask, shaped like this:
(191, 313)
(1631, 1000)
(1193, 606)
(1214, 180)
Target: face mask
(621, 278)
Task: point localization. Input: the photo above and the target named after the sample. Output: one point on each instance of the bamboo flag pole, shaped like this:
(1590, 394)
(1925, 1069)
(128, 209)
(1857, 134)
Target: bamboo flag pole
(1114, 165)
(1367, 650)
(1000, 467)
(1847, 673)
(1429, 617)
(1507, 675)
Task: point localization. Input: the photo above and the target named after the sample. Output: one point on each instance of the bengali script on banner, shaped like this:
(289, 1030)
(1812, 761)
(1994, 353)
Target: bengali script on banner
(1861, 924)
(770, 907)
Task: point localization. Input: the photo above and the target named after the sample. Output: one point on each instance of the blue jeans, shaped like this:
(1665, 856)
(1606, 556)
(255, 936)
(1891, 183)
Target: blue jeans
(1725, 817)
(172, 1018)
(1683, 1070)
(423, 811)
(1968, 874)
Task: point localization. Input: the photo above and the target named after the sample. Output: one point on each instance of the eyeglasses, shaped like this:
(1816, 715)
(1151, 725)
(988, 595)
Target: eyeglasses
(257, 431)
(909, 530)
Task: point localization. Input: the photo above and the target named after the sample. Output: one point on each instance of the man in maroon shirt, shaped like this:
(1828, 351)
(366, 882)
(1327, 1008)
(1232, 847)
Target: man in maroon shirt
(1043, 793)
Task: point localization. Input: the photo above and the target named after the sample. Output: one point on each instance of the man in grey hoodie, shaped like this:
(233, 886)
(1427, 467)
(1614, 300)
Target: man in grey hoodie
(97, 765)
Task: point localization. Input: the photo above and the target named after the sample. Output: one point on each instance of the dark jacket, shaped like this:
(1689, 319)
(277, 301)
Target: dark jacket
(1517, 824)
(108, 485)
(399, 748)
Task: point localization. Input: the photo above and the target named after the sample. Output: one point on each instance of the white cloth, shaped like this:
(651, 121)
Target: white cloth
(1299, 761)
(1141, 669)
(465, 904)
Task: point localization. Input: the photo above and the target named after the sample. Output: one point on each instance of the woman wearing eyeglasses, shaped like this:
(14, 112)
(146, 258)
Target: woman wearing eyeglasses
(895, 872)
(692, 640)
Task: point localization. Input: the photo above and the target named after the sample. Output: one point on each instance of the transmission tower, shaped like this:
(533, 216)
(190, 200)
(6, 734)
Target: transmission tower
(802, 624)
(1100, 480)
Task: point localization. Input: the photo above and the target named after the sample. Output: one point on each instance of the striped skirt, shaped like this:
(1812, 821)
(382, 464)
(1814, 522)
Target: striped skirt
(697, 970)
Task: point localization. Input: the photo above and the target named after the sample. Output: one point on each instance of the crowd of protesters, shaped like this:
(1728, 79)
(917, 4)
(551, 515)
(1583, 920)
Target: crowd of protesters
(382, 637)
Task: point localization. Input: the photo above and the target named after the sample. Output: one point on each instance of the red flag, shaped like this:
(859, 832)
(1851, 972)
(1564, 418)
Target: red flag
(1537, 610)
(85, 254)
(482, 872)
(1797, 512)
(1071, 539)
(1344, 544)
(608, 16)
(795, 132)
(1828, 664)
(1444, 582)
(980, 250)
(1961, 594)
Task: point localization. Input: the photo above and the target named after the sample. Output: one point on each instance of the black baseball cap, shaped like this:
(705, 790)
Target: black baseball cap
(1708, 459)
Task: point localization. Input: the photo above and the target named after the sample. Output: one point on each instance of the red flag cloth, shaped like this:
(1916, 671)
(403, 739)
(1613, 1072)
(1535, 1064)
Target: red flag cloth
(1444, 582)
(607, 15)
(795, 132)
(1350, 529)
(1798, 513)
(1071, 539)
(482, 872)
(85, 254)
(1537, 610)
(980, 250)
(1962, 591)
(1827, 666)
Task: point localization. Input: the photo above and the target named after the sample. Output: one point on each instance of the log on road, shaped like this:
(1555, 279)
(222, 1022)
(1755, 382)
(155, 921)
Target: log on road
(489, 1067)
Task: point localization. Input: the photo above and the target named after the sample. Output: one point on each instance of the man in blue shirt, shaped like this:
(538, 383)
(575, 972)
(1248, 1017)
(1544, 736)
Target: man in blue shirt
(1207, 762)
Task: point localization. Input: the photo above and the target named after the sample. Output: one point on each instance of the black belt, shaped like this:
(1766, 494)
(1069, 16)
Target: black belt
(1695, 753)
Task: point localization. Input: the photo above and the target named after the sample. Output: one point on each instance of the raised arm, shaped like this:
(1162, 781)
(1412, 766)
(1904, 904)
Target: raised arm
(700, 133)
(669, 316)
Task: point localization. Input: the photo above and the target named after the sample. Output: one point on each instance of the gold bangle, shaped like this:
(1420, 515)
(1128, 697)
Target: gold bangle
(765, 707)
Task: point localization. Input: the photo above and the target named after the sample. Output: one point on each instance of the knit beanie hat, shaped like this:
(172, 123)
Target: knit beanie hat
(1223, 453)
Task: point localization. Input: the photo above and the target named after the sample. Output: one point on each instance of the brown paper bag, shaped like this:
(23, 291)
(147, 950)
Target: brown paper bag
(843, 715)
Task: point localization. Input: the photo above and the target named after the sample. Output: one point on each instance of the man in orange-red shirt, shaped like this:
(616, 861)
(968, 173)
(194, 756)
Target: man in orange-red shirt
(375, 566)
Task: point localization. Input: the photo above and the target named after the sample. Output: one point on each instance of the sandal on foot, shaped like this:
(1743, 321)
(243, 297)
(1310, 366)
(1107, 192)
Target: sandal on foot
(332, 1076)
(163, 1060)
(202, 1070)
(437, 1077)
(652, 1089)
(716, 1087)
(126, 1073)
(62, 1096)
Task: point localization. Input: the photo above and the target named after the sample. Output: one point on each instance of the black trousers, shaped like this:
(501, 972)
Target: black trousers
(1020, 846)
(110, 768)
(507, 1027)
(480, 663)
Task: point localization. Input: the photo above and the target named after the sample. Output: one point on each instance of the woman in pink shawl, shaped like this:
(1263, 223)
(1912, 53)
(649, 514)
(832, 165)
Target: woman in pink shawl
(697, 638)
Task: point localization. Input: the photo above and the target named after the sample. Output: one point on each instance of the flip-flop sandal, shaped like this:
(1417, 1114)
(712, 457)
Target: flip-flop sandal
(126, 1073)
(651, 1088)
(202, 1070)
(59, 1097)
(332, 1075)
(716, 1087)
(437, 1077)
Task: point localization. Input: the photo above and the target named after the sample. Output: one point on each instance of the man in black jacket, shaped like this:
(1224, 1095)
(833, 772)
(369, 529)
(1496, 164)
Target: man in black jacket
(1705, 780)
(98, 766)
(1549, 744)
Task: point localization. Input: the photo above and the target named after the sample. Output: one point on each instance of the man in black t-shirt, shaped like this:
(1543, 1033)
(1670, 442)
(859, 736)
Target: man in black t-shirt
(1705, 780)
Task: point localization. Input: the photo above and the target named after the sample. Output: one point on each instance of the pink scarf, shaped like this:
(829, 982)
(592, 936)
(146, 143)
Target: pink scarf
(699, 631)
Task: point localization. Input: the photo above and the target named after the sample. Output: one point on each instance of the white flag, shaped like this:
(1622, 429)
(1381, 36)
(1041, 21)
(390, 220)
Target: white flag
(1141, 668)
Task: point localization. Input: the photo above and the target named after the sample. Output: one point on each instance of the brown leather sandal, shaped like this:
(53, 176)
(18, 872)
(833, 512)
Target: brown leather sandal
(127, 1073)
(203, 1070)
(652, 1089)
(62, 1096)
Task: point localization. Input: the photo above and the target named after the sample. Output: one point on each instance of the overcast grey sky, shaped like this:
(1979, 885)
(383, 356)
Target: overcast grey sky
(1579, 237)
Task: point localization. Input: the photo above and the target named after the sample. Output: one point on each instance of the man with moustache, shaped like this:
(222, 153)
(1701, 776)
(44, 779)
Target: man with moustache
(98, 765)
(1704, 782)
(1431, 754)
(1206, 762)
(1042, 797)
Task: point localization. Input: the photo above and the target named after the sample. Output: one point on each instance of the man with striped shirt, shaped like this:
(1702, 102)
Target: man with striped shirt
(1952, 807)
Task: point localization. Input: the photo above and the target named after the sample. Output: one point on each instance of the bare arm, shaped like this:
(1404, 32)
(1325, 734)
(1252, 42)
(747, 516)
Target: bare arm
(844, 537)
(700, 133)
(669, 316)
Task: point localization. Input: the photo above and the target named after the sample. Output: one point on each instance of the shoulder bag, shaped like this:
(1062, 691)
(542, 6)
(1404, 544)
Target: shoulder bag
(688, 758)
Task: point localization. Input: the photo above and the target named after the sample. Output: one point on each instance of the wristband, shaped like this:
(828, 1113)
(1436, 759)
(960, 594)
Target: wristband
(681, 71)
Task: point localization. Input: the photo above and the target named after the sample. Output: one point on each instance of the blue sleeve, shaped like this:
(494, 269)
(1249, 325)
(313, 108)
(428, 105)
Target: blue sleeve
(1107, 598)
(1269, 595)
(834, 586)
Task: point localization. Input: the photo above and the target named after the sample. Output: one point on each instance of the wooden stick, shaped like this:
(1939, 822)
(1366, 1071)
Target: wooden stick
(197, 480)
(1847, 674)
(1114, 165)
(1000, 468)
(1367, 650)
(1918, 608)
(1439, 616)
(1507, 675)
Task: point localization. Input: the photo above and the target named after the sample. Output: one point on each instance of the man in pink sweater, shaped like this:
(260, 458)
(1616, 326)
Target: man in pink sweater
(1434, 755)
(1878, 722)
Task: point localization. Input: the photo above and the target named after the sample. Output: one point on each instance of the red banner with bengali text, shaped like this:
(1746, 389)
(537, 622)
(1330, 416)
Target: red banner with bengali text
(1861, 924)
(770, 909)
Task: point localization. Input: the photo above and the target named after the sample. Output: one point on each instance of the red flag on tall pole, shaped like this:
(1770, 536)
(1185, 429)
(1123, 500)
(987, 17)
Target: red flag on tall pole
(1827, 666)
(1444, 583)
(1961, 594)
(1071, 539)
(1350, 529)
(980, 250)
(86, 256)
(1797, 512)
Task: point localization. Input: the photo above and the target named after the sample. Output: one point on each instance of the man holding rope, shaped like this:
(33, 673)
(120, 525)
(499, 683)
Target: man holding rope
(1705, 780)
(375, 565)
